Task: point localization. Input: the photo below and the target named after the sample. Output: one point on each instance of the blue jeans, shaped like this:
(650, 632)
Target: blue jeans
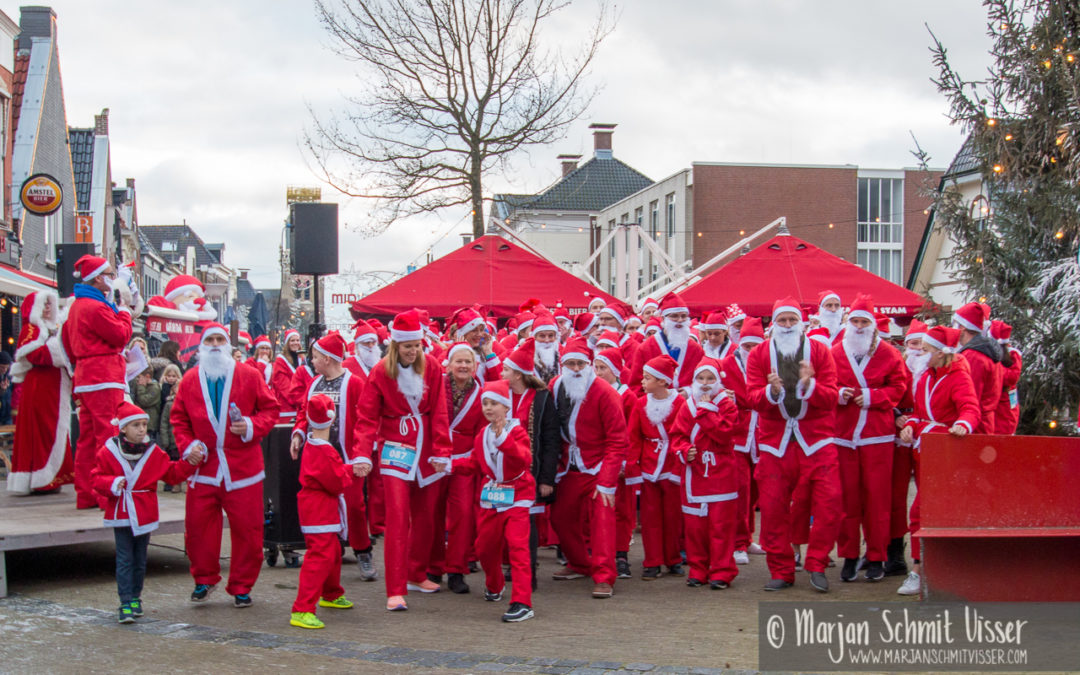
(130, 563)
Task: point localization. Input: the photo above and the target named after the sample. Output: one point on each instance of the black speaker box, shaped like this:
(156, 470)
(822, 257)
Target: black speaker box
(66, 255)
(280, 488)
(314, 238)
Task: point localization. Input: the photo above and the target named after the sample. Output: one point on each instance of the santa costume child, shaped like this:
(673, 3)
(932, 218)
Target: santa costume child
(607, 365)
(324, 476)
(502, 458)
(704, 444)
(126, 473)
(402, 417)
(673, 340)
(1007, 415)
(984, 360)
(652, 464)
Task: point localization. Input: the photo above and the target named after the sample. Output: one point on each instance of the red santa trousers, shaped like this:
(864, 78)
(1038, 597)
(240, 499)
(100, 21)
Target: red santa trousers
(410, 528)
(866, 486)
(710, 541)
(202, 534)
(320, 575)
(507, 530)
(901, 482)
(356, 513)
(800, 513)
(661, 522)
(625, 515)
(744, 503)
(589, 548)
(97, 410)
(376, 501)
(545, 530)
(777, 479)
(461, 518)
(916, 542)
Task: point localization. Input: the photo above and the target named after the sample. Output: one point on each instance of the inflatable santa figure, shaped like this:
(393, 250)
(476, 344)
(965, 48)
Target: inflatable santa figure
(184, 299)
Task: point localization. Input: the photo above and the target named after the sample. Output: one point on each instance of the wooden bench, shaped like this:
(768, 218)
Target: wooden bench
(7, 436)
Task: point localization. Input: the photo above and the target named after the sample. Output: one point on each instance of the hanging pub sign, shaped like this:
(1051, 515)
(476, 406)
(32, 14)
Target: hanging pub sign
(41, 194)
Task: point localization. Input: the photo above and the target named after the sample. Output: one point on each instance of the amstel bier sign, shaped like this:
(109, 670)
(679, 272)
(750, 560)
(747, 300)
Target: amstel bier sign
(41, 194)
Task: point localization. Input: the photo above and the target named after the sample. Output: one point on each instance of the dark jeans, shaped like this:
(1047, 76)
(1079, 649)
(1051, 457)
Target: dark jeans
(130, 563)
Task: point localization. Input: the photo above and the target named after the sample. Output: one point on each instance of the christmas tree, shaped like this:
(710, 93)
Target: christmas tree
(1017, 251)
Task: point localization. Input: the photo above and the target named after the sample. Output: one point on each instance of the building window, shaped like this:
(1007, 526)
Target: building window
(168, 247)
(880, 248)
(671, 215)
(654, 219)
(53, 237)
(611, 246)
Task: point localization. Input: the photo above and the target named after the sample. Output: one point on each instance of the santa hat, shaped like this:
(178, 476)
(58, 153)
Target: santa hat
(584, 322)
(128, 413)
(715, 321)
(320, 411)
(971, 316)
(263, 341)
(821, 334)
(788, 304)
(523, 359)
(455, 348)
(183, 283)
(662, 367)
(916, 330)
(612, 358)
(735, 314)
(562, 315)
(288, 336)
(498, 391)
(619, 311)
(986, 315)
(406, 327)
(532, 305)
(649, 302)
(608, 338)
(244, 338)
(467, 320)
(332, 345)
(89, 266)
(1000, 331)
(862, 307)
(524, 321)
(884, 325)
(213, 328)
(710, 364)
(653, 326)
(544, 321)
(942, 338)
(752, 331)
(824, 297)
(673, 304)
(576, 348)
(363, 332)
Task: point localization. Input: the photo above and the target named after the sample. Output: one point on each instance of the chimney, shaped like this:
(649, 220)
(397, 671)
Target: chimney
(569, 163)
(602, 139)
(243, 273)
(101, 123)
(466, 238)
(130, 182)
(35, 22)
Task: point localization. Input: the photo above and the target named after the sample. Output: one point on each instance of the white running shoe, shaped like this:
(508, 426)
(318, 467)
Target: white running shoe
(741, 558)
(911, 586)
(754, 549)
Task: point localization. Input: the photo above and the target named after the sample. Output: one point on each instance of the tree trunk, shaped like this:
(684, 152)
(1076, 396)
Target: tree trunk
(475, 187)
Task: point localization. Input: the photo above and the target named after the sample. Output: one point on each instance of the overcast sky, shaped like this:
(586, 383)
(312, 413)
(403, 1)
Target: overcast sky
(208, 101)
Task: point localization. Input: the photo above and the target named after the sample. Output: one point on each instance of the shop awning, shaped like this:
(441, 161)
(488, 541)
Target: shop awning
(17, 282)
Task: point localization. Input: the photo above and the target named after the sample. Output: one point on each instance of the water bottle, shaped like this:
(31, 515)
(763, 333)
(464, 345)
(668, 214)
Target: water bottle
(234, 413)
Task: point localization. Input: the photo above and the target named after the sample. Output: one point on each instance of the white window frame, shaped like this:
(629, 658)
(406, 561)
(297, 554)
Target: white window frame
(879, 236)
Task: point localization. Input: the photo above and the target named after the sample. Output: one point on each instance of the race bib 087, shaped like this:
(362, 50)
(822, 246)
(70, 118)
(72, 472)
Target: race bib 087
(398, 456)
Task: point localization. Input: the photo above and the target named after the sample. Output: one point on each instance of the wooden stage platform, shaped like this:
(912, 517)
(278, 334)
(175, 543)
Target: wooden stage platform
(42, 521)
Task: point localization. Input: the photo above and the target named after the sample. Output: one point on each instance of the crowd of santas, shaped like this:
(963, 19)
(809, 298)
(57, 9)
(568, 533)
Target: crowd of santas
(685, 427)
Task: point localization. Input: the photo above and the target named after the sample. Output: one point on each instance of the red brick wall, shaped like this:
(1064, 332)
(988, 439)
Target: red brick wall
(914, 216)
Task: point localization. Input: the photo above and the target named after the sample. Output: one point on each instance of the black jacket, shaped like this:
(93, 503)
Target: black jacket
(546, 441)
(984, 345)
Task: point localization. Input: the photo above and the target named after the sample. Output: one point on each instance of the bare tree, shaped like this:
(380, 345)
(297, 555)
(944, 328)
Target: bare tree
(449, 89)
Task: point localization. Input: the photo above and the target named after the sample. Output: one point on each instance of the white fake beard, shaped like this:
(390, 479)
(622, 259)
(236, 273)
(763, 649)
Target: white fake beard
(215, 362)
(577, 384)
(657, 410)
(367, 355)
(733, 335)
(787, 339)
(710, 351)
(699, 390)
(677, 334)
(547, 353)
(917, 361)
(830, 320)
(410, 384)
(857, 341)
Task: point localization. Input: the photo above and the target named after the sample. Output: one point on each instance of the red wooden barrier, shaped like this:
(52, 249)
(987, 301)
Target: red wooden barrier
(1000, 518)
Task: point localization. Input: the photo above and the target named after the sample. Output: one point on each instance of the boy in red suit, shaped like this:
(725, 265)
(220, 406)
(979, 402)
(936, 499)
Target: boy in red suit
(704, 443)
(125, 475)
(324, 475)
(502, 457)
(608, 364)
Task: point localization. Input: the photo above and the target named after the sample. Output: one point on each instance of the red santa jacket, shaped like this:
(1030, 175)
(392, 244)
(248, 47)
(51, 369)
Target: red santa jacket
(812, 427)
(986, 377)
(94, 336)
(628, 348)
(355, 367)
(881, 382)
(655, 346)
(302, 378)
(264, 368)
(504, 461)
(1007, 415)
(385, 415)
(733, 378)
(135, 505)
(232, 460)
(323, 477)
(652, 452)
(944, 397)
(348, 404)
(594, 434)
(710, 476)
(629, 400)
(467, 422)
(281, 382)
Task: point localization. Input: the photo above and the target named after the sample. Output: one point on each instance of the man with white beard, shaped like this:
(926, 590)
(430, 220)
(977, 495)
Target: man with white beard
(614, 317)
(830, 313)
(871, 382)
(594, 447)
(672, 340)
(224, 410)
(366, 353)
(791, 382)
(545, 335)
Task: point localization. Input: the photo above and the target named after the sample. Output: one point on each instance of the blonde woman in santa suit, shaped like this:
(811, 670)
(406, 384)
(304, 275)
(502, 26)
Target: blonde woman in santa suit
(403, 424)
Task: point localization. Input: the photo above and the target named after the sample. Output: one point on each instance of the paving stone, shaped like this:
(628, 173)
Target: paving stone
(571, 663)
(542, 661)
(492, 667)
(681, 670)
(589, 671)
(606, 665)
(640, 667)
(555, 670)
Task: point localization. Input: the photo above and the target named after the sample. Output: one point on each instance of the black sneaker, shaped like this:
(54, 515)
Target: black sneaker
(676, 570)
(507, 577)
(518, 612)
(875, 571)
(850, 570)
(473, 567)
(492, 597)
(242, 600)
(694, 583)
(777, 585)
(896, 566)
(650, 573)
(718, 585)
(434, 578)
(819, 582)
(622, 568)
(456, 583)
(202, 592)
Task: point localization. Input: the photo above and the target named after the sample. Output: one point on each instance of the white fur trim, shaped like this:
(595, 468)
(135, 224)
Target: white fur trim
(96, 272)
(658, 375)
(406, 335)
(826, 299)
(609, 364)
(213, 330)
(115, 487)
(934, 343)
(250, 432)
(961, 322)
(478, 321)
(264, 343)
(323, 351)
(712, 326)
(863, 314)
(498, 398)
(573, 355)
(675, 310)
(180, 290)
(613, 314)
(509, 363)
(913, 336)
(124, 421)
(787, 308)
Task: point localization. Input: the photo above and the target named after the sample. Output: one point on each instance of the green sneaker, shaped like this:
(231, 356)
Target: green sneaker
(305, 620)
(125, 613)
(136, 607)
(338, 603)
